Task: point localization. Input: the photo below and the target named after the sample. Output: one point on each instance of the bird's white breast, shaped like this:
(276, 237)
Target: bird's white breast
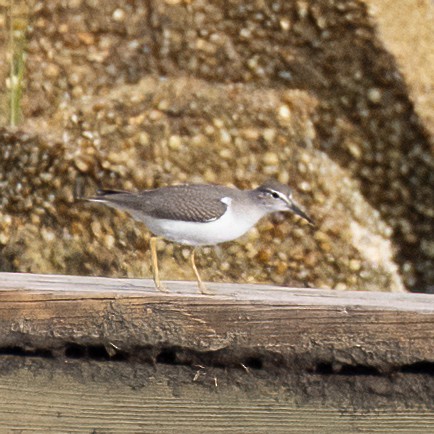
(233, 224)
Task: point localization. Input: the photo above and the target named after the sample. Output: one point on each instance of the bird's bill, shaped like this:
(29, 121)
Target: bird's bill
(297, 210)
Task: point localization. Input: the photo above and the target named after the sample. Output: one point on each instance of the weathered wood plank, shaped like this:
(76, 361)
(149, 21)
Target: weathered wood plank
(54, 401)
(49, 396)
(250, 358)
(296, 327)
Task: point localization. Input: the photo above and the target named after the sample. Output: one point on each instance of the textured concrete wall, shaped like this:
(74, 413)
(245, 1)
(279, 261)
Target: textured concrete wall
(334, 98)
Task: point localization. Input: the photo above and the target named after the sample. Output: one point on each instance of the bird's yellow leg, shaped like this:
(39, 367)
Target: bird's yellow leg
(202, 288)
(155, 271)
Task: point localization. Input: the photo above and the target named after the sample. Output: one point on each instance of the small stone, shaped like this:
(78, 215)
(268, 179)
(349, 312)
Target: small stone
(136, 120)
(271, 171)
(35, 219)
(77, 91)
(46, 177)
(210, 176)
(225, 266)
(175, 142)
(271, 158)
(354, 149)
(199, 140)
(163, 105)
(305, 186)
(284, 24)
(204, 45)
(63, 28)
(209, 130)
(302, 167)
(144, 139)
(374, 95)
(284, 112)
(285, 75)
(226, 154)
(283, 177)
(4, 238)
(81, 165)
(6, 219)
(86, 37)
(281, 267)
(225, 137)
(321, 22)
(109, 241)
(250, 251)
(48, 235)
(265, 255)
(119, 15)
(75, 4)
(253, 234)
(250, 133)
(245, 33)
(96, 228)
(52, 71)
(269, 134)
(218, 123)
(427, 247)
(88, 135)
(355, 265)
(155, 115)
(302, 8)
(252, 62)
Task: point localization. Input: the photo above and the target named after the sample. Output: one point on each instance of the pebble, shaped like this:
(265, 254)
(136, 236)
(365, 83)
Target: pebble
(155, 115)
(285, 24)
(269, 134)
(374, 95)
(355, 265)
(226, 154)
(52, 71)
(225, 137)
(119, 15)
(109, 241)
(175, 142)
(81, 165)
(284, 112)
(271, 158)
(283, 176)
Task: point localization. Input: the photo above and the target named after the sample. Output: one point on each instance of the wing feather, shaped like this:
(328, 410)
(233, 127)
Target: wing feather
(191, 203)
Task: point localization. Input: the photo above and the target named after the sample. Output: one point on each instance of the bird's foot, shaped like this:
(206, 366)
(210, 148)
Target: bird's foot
(203, 289)
(161, 286)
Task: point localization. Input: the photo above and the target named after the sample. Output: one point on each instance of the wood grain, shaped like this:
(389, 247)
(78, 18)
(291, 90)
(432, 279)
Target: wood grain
(46, 397)
(282, 325)
(250, 358)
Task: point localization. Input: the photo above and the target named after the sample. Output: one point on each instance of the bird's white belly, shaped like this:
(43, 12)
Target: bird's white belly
(226, 228)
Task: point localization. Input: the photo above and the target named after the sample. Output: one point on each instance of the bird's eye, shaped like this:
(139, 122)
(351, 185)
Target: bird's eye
(275, 195)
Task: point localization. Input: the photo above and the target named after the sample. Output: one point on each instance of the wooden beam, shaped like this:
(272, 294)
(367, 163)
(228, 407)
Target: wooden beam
(54, 396)
(75, 353)
(298, 328)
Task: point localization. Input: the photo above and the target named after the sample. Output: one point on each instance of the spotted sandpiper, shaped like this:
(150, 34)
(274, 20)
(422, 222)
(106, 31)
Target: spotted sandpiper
(200, 214)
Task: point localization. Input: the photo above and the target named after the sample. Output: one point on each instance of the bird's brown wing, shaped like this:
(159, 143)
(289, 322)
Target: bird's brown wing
(190, 203)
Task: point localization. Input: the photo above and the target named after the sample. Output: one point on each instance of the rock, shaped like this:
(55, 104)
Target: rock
(192, 96)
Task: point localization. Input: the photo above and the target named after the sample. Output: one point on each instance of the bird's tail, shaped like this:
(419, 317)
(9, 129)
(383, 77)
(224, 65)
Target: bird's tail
(103, 195)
